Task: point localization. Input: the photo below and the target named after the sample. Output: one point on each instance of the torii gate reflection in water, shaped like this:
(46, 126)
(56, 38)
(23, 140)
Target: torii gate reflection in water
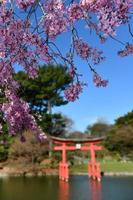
(87, 144)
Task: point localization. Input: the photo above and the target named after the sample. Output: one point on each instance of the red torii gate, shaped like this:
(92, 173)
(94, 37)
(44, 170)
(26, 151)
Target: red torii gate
(91, 144)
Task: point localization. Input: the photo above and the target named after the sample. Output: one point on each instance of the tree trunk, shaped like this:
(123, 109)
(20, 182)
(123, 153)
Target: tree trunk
(50, 141)
(50, 148)
(49, 107)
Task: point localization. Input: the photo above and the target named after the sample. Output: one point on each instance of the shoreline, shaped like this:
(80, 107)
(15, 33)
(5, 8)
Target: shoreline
(55, 173)
(38, 171)
(106, 173)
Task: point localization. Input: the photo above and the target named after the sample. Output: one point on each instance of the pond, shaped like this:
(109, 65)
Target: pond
(78, 188)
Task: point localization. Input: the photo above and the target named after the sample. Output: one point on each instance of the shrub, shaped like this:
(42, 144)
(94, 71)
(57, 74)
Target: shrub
(32, 150)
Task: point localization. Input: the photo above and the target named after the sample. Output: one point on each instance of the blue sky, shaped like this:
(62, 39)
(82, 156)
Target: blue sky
(107, 103)
(101, 103)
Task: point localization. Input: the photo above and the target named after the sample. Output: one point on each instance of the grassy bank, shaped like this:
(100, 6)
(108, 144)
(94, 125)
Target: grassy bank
(106, 166)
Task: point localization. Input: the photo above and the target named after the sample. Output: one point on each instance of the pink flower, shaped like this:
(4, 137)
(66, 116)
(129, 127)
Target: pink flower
(99, 82)
(23, 4)
(73, 91)
(55, 21)
(55, 24)
(127, 51)
(72, 71)
(85, 51)
(82, 49)
(75, 12)
(1, 128)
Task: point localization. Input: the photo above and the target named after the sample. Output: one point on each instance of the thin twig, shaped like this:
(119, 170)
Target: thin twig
(130, 31)
(120, 42)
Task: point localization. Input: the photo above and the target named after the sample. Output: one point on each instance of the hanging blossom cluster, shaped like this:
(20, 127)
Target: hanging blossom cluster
(23, 4)
(127, 51)
(82, 49)
(85, 51)
(75, 12)
(18, 45)
(18, 116)
(73, 91)
(98, 81)
(55, 21)
(110, 13)
(29, 30)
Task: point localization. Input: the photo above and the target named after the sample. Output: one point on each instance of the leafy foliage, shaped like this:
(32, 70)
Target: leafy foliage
(45, 91)
(120, 137)
(55, 124)
(125, 120)
(98, 129)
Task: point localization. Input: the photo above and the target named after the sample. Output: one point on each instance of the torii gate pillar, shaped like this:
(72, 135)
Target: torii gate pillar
(94, 170)
(63, 165)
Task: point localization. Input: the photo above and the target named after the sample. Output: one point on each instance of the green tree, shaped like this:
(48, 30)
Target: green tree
(45, 91)
(56, 124)
(120, 139)
(125, 120)
(77, 134)
(99, 128)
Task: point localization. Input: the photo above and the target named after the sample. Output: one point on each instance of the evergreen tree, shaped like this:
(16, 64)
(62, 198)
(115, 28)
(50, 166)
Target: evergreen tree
(45, 91)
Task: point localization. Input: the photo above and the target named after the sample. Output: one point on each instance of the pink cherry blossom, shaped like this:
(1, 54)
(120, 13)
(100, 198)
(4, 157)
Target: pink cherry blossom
(98, 81)
(127, 51)
(73, 91)
(82, 49)
(23, 4)
(55, 21)
(75, 12)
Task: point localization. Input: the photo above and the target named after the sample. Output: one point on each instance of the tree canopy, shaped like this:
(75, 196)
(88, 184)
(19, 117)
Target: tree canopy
(46, 90)
(56, 124)
(125, 120)
(120, 136)
(120, 139)
(99, 128)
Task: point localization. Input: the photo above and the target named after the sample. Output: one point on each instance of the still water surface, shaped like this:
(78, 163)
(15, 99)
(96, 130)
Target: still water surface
(78, 188)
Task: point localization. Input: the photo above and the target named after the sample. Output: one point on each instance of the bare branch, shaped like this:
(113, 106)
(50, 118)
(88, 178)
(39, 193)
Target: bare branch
(117, 40)
(129, 28)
